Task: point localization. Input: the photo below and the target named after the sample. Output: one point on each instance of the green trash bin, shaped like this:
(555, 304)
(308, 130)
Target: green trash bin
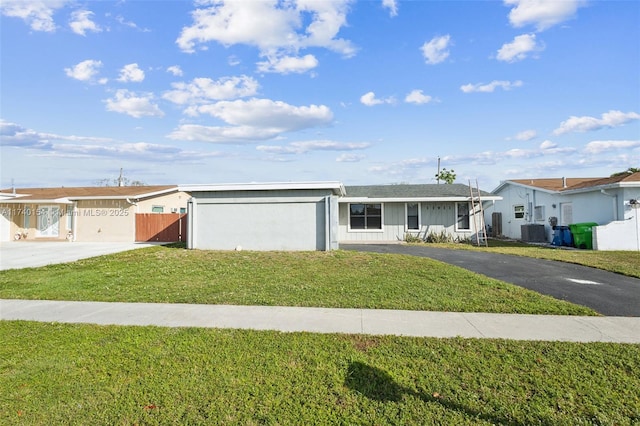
(583, 234)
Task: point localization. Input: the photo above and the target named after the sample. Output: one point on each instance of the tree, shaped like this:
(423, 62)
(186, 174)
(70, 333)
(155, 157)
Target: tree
(629, 171)
(119, 181)
(448, 176)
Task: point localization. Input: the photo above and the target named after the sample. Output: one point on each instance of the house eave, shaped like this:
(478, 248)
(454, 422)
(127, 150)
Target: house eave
(413, 199)
(601, 187)
(336, 187)
(522, 185)
(22, 200)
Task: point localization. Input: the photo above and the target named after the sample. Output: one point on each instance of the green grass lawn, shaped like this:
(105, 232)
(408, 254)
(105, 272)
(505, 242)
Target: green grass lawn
(54, 374)
(343, 279)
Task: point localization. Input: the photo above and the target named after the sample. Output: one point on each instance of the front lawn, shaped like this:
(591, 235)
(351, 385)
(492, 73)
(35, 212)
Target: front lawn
(97, 375)
(342, 279)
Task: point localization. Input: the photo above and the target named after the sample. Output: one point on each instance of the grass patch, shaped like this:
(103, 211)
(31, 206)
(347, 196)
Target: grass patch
(342, 279)
(620, 262)
(109, 375)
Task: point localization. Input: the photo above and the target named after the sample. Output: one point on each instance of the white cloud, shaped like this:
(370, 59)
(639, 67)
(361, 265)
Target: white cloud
(548, 145)
(417, 97)
(265, 113)
(288, 64)
(586, 123)
(436, 50)
(37, 14)
(488, 88)
(81, 22)
(307, 146)
(542, 13)
(131, 24)
(85, 70)
(392, 5)
(369, 99)
(275, 28)
(519, 48)
(131, 72)
(137, 106)
(202, 90)
(526, 135)
(220, 134)
(71, 146)
(252, 120)
(349, 158)
(596, 147)
(175, 70)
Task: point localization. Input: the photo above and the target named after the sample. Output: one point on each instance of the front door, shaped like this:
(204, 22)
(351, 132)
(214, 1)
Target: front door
(48, 221)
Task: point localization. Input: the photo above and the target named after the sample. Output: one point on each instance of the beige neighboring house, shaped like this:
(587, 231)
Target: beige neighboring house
(96, 214)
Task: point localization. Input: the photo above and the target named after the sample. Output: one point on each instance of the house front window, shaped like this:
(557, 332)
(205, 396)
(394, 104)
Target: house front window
(538, 213)
(518, 211)
(462, 212)
(157, 209)
(365, 216)
(413, 216)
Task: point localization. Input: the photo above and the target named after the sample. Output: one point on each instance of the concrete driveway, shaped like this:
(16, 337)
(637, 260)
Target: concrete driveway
(605, 292)
(28, 254)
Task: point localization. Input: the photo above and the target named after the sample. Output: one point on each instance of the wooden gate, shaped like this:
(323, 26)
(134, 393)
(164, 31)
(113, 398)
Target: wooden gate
(161, 227)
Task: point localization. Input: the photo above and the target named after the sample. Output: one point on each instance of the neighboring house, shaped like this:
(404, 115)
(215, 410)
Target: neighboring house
(320, 215)
(543, 203)
(85, 213)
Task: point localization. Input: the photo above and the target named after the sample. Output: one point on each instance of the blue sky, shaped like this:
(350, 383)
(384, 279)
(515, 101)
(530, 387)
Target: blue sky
(364, 92)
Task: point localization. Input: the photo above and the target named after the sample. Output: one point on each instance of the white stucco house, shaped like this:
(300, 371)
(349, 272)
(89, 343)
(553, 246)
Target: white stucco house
(321, 215)
(540, 204)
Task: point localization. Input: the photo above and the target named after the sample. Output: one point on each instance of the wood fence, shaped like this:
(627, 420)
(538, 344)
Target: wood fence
(161, 227)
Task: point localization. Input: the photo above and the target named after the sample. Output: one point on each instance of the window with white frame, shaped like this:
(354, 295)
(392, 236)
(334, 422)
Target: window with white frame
(413, 216)
(157, 209)
(462, 213)
(518, 211)
(365, 216)
(538, 213)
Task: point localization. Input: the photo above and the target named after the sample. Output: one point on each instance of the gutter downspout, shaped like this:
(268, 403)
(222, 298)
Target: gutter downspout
(615, 203)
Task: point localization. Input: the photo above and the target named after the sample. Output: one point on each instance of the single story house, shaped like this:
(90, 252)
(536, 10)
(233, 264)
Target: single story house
(541, 204)
(321, 215)
(263, 216)
(97, 214)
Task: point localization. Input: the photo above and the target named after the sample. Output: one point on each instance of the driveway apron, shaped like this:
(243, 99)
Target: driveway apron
(605, 292)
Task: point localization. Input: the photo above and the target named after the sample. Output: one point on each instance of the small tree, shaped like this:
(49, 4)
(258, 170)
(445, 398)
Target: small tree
(448, 176)
(119, 181)
(629, 171)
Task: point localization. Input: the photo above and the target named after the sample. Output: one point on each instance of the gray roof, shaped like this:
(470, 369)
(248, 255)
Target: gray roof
(412, 191)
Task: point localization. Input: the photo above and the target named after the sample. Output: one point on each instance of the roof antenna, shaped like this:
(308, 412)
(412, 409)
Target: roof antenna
(120, 180)
(13, 187)
(438, 175)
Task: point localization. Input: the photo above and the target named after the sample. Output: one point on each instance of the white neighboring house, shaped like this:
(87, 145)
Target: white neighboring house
(610, 202)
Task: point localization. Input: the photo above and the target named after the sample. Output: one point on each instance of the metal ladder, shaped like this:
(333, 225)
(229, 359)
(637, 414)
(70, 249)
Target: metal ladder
(478, 219)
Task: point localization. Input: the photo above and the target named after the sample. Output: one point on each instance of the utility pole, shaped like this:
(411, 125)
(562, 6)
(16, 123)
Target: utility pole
(438, 175)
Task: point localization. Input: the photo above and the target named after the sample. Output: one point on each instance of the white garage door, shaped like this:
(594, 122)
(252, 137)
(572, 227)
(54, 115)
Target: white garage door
(261, 226)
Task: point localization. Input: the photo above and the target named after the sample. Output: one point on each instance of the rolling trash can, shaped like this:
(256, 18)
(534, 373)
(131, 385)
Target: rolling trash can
(583, 234)
(562, 236)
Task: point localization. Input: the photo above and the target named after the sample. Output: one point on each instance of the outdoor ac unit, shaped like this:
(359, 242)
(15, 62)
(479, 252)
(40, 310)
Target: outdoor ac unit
(533, 233)
(174, 210)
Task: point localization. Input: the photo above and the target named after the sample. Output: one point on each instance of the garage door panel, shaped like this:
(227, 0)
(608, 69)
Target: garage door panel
(261, 226)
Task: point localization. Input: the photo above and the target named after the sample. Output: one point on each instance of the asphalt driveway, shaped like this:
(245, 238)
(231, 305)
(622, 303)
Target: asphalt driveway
(28, 254)
(605, 292)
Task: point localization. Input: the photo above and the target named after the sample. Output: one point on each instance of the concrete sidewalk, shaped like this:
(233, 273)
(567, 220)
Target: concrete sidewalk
(326, 320)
